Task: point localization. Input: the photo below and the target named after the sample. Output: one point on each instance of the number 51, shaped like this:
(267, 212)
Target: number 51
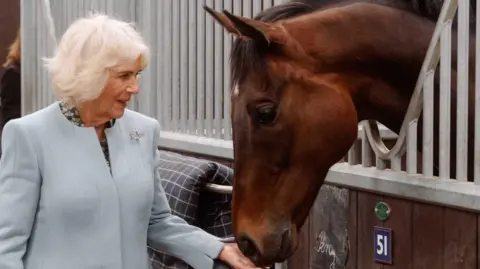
(382, 245)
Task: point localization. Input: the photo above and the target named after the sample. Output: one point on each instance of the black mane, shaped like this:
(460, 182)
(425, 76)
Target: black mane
(247, 57)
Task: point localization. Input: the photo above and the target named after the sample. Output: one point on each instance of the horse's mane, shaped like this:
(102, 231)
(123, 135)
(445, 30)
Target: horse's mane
(247, 57)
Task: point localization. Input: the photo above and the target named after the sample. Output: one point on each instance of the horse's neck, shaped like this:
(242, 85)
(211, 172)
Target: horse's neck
(362, 33)
(383, 44)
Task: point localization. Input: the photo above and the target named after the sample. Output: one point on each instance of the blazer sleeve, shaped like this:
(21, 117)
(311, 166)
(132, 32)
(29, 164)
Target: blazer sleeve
(172, 234)
(19, 193)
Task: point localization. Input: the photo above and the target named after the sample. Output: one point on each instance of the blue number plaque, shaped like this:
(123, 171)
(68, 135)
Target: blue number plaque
(382, 242)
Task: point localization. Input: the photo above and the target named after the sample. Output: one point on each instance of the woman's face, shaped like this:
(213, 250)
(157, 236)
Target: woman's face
(121, 85)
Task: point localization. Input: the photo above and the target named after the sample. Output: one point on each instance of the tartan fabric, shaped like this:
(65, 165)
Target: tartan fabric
(183, 179)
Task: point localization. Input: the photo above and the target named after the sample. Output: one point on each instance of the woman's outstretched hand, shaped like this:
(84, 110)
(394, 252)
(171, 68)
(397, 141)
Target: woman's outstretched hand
(232, 255)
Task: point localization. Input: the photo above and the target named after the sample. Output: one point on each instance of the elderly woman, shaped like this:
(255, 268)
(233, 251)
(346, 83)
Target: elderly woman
(78, 181)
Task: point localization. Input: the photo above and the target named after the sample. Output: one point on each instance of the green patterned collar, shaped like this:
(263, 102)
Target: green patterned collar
(72, 114)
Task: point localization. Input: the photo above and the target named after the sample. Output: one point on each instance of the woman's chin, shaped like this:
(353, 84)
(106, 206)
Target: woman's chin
(117, 113)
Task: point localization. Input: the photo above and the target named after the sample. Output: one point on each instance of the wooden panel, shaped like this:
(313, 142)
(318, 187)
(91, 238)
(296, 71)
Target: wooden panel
(459, 239)
(300, 258)
(328, 228)
(365, 222)
(400, 221)
(427, 236)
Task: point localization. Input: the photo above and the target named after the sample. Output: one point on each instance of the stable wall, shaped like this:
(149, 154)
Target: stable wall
(339, 232)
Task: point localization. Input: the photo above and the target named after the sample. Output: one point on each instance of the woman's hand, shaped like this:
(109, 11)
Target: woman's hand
(232, 255)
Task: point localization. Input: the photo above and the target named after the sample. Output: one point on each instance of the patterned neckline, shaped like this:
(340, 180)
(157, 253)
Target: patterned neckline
(73, 115)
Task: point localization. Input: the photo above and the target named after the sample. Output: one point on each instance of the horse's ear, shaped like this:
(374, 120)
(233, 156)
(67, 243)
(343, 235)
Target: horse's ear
(261, 32)
(223, 20)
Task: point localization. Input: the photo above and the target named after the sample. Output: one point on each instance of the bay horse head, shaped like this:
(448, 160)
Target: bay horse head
(298, 86)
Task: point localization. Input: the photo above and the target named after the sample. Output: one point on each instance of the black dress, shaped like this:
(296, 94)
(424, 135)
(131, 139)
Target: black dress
(10, 94)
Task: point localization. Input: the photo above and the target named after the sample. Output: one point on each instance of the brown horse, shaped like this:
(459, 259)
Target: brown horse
(304, 76)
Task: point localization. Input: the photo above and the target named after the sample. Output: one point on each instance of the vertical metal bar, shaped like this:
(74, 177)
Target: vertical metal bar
(227, 46)
(462, 89)
(237, 7)
(278, 2)
(445, 97)
(183, 104)
(192, 63)
(218, 95)
(39, 48)
(366, 151)
(477, 101)
(201, 39)
(175, 64)
(267, 4)
(380, 164)
(257, 7)
(145, 96)
(209, 70)
(412, 147)
(396, 164)
(427, 152)
(160, 72)
(167, 56)
(247, 8)
(352, 160)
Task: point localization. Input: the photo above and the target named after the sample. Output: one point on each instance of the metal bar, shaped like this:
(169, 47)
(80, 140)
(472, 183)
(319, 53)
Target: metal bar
(209, 70)
(218, 95)
(267, 4)
(166, 11)
(175, 64)
(427, 151)
(416, 101)
(445, 98)
(227, 46)
(477, 102)
(183, 104)
(380, 164)
(219, 188)
(396, 164)
(462, 90)
(366, 151)
(201, 39)
(192, 63)
(257, 7)
(247, 8)
(412, 147)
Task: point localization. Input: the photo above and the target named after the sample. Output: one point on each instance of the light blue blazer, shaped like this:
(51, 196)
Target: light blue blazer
(60, 208)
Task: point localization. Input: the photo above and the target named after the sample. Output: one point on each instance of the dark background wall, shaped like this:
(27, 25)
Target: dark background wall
(9, 23)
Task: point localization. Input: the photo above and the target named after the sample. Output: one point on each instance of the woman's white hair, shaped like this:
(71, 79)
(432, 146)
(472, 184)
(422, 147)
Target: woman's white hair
(87, 50)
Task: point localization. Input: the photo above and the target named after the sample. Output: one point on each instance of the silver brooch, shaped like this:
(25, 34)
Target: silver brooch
(136, 134)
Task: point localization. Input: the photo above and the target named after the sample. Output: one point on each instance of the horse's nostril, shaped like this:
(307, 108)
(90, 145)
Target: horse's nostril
(247, 246)
(286, 243)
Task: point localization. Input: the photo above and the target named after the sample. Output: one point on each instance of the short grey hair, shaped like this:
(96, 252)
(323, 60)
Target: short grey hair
(87, 50)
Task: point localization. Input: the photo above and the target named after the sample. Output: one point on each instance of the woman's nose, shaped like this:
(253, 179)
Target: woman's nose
(133, 88)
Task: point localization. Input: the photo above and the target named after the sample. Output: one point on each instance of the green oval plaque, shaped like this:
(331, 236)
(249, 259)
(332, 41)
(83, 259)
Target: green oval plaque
(382, 210)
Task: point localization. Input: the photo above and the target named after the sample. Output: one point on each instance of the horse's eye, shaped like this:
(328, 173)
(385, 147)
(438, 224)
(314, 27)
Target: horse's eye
(266, 114)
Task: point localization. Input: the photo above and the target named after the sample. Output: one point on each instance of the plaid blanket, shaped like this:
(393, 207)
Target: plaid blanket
(183, 179)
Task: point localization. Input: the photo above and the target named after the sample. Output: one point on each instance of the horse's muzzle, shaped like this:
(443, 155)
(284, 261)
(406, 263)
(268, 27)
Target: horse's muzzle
(275, 247)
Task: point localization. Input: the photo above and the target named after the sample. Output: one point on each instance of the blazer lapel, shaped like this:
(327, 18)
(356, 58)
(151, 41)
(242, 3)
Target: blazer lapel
(116, 139)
